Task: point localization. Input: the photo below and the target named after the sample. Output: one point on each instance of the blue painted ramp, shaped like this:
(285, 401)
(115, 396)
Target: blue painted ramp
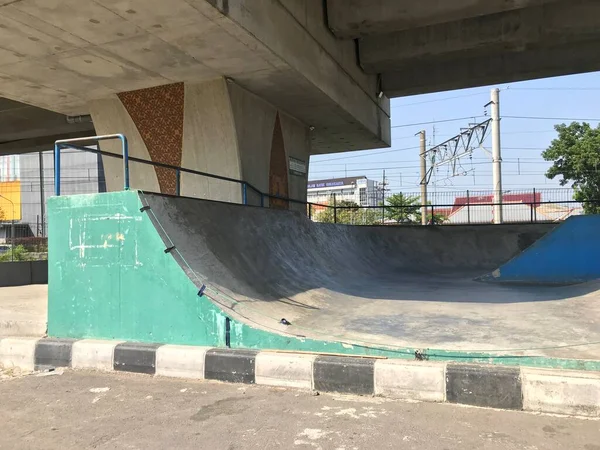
(568, 255)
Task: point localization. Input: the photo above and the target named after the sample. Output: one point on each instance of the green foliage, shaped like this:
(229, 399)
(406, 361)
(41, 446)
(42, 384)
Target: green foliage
(438, 219)
(20, 254)
(403, 208)
(349, 213)
(399, 208)
(576, 157)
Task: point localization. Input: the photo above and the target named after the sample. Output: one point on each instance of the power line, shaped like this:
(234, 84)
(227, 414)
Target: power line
(436, 121)
(555, 89)
(369, 154)
(439, 100)
(549, 118)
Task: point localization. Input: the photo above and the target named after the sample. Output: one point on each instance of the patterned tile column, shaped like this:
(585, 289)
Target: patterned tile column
(158, 115)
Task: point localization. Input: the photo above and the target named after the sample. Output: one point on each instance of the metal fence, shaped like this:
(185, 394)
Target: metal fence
(23, 196)
(454, 208)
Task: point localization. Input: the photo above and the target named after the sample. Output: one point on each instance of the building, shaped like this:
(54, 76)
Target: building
(359, 190)
(516, 208)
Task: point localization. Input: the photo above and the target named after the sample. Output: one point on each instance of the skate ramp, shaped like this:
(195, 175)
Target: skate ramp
(568, 255)
(374, 286)
(129, 266)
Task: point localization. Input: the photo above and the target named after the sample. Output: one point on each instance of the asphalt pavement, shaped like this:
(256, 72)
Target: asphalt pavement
(81, 410)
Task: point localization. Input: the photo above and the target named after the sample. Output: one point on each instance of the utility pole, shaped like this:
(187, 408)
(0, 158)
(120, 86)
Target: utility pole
(423, 155)
(383, 187)
(496, 156)
(42, 195)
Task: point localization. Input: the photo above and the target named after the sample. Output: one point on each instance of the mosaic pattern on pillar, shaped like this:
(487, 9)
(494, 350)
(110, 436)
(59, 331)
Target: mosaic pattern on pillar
(278, 174)
(158, 115)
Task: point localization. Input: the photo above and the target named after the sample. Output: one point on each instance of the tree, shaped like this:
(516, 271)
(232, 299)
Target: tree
(349, 213)
(403, 208)
(576, 157)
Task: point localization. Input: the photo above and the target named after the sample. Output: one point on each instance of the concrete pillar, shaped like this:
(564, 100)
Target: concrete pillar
(215, 127)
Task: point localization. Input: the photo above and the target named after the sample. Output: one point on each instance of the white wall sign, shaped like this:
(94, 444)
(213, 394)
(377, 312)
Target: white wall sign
(297, 167)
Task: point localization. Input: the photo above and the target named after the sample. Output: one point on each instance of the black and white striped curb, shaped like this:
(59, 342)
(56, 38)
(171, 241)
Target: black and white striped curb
(530, 389)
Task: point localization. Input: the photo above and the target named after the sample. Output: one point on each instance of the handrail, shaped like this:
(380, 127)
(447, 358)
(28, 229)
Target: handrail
(68, 143)
(71, 143)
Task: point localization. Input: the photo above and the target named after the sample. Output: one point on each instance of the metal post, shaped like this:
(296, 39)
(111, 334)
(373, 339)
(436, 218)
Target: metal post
(42, 195)
(12, 234)
(244, 194)
(468, 208)
(496, 156)
(12, 227)
(423, 155)
(57, 169)
(125, 160)
(534, 206)
(334, 208)
(310, 211)
(178, 182)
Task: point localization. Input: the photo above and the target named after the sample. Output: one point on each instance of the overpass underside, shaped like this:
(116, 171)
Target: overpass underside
(248, 88)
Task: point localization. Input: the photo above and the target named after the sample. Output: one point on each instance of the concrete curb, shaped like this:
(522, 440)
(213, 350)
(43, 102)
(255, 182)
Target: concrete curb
(517, 388)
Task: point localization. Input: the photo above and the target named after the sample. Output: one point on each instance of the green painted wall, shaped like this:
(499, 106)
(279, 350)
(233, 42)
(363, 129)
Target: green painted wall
(109, 278)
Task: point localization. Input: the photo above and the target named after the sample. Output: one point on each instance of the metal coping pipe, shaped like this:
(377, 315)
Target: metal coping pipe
(68, 143)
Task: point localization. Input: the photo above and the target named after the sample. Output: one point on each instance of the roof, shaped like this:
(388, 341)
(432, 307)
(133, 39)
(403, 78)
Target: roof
(333, 182)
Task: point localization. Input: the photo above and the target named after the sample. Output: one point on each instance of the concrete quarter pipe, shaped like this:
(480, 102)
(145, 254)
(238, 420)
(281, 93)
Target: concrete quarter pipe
(130, 265)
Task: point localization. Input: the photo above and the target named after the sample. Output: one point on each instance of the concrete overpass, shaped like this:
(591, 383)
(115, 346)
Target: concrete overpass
(237, 87)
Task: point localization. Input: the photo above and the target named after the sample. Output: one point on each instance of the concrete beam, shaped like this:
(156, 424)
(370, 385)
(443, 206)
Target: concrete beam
(513, 31)
(356, 18)
(492, 69)
(39, 144)
(65, 55)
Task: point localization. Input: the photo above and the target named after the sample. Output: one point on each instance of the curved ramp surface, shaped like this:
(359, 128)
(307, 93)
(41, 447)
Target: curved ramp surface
(375, 286)
(567, 255)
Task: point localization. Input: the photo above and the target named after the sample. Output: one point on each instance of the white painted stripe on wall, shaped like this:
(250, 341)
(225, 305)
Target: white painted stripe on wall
(18, 352)
(407, 380)
(285, 369)
(93, 354)
(182, 361)
(561, 391)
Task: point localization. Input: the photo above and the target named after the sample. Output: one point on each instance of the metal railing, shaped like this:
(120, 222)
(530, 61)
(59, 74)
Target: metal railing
(536, 211)
(475, 211)
(72, 143)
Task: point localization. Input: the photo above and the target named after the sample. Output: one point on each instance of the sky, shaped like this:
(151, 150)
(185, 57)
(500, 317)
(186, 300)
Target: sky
(522, 140)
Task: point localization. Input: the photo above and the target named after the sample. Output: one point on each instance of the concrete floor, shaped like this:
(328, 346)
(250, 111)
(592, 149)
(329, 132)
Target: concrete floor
(23, 310)
(77, 410)
(463, 315)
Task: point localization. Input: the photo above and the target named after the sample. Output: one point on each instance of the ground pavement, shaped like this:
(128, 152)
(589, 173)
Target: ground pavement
(77, 410)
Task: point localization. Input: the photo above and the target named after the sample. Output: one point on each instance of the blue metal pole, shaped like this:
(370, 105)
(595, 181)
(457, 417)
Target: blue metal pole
(57, 169)
(244, 194)
(125, 159)
(178, 182)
